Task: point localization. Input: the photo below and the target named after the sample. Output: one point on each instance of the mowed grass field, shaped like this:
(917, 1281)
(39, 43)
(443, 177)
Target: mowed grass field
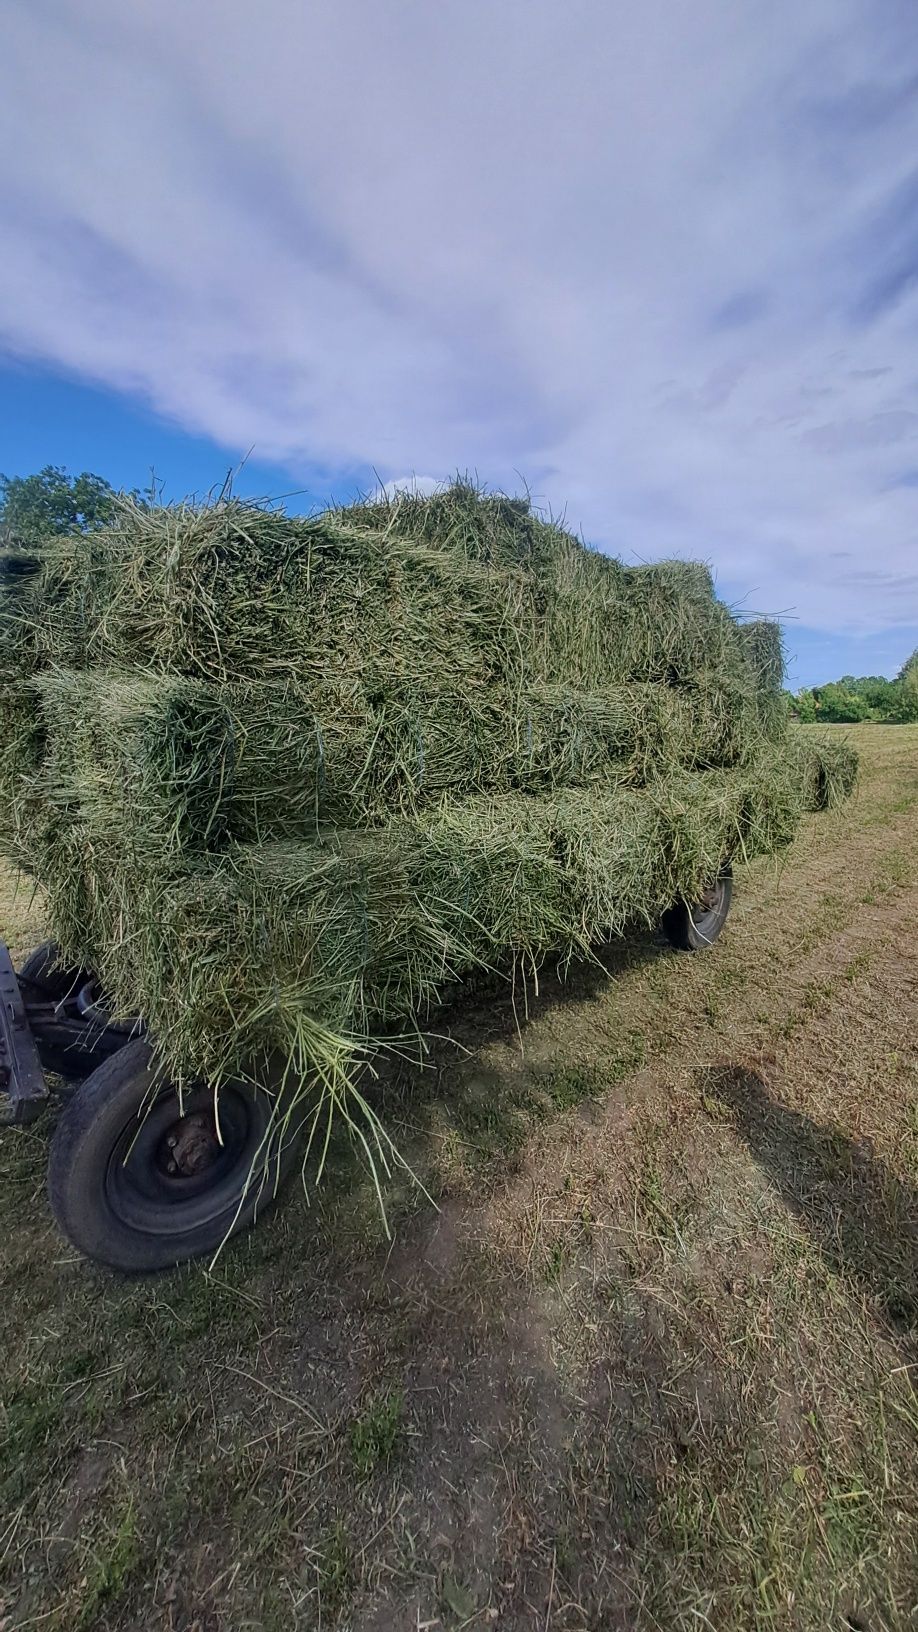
(650, 1363)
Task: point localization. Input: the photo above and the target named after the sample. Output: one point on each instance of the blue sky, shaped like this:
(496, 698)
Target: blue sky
(661, 263)
(48, 418)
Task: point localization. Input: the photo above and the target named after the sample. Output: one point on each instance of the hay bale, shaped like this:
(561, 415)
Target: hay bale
(23, 740)
(285, 779)
(230, 592)
(21, 612)
(763, 645)
(345, 933)
(291, 946)
(166, 765)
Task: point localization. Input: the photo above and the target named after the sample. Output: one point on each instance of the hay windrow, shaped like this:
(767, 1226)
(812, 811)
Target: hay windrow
(286, 781)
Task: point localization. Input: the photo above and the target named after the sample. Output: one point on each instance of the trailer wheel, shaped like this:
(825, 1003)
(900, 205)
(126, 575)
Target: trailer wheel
(139, 1181)
(42, 970)
(693, 926)
(78, 1035)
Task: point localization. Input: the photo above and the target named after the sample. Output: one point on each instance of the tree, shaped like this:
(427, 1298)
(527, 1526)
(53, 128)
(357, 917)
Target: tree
(875, 690)
(836, 702)
(903, 709)
(863, 697)
(904, 704)
(908, 674)
(32, 507)
(804, 705)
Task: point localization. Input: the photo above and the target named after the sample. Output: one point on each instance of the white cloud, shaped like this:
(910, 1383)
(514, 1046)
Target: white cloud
(420, 486)
(657, 261)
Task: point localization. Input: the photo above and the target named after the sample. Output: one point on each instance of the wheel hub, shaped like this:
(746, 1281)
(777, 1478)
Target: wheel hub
(707, 900)
(191, 1145)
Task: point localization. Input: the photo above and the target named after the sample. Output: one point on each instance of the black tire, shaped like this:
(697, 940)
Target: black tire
(693, 927)
(76, 1039)
(109, 1180)
(42, 970)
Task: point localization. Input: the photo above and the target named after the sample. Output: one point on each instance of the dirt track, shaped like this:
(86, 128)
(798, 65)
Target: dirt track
(650, 1365)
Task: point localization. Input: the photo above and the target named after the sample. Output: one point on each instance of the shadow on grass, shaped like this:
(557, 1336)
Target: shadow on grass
(491, 1108)
(862, 1217)
(496, 1006)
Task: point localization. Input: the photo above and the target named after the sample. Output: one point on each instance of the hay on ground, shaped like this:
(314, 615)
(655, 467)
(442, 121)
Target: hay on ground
(826, 767)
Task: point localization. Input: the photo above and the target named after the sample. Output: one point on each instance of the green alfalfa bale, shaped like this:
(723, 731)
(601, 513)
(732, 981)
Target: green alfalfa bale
(169, 766)
(801, 774)
(20, 610)
(233, 591)
(66, 580)
(772, 805)
(238, 957)
(763, 646)
(714, 723)
(633, 734)
(282, 947)
(90, 905)
(567, 737)
(577, 582)
(607, 624)
(840, 770)
(463, 520)
(23, 741)
(22, 734)
(674, 626)
(162, 766)
(166, 766)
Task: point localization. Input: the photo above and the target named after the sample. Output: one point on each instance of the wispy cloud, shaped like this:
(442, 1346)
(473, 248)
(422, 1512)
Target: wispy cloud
(659, 261)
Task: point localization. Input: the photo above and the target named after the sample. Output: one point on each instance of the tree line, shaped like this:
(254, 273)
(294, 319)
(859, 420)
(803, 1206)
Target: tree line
(868, 697)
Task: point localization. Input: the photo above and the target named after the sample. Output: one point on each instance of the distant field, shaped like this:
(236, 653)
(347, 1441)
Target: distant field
(653, 1364)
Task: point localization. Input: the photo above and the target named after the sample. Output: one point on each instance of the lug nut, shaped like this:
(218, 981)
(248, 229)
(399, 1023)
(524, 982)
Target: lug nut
(172, 1167)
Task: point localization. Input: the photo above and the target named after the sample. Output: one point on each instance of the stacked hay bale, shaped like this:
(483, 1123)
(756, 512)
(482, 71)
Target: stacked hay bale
(284, 780)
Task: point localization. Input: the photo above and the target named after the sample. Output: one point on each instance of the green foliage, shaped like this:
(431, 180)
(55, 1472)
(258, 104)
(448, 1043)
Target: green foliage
(906, 700)
(867, 697)
(376, 1432)
(903, 709)
(908, 674)
(33, 508)
(875, 690)
(838, 704)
